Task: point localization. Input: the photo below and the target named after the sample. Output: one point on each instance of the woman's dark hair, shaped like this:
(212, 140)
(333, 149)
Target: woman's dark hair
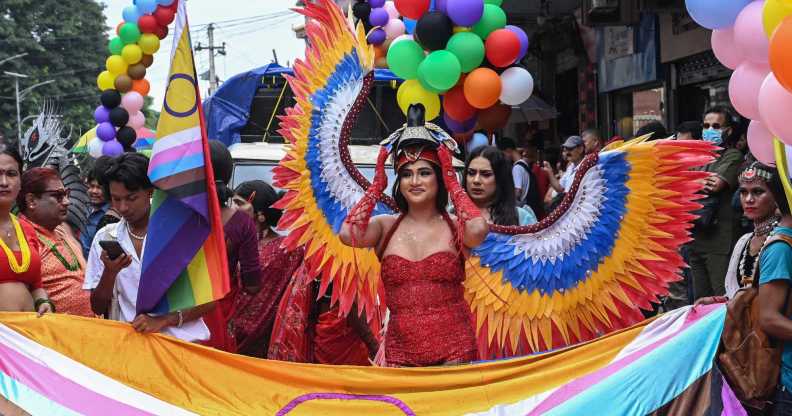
(10, 149)
(223, 167)
(34, 181)
(692, 127)
(262, 202)
(656, 128)
(441, 202)
(777, 189)
(504, 207)
(96, 172)
(130, 169)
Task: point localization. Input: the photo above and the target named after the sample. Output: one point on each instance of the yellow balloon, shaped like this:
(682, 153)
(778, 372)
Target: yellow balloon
(458, 29)
(132, 54)
(105, 80)
(149, 43)
(116, 65)
(412, 92)
(773, 13)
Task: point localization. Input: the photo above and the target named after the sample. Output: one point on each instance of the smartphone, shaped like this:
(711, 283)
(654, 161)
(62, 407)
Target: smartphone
(112, 248)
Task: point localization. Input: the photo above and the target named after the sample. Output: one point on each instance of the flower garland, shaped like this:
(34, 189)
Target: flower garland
(24, 248)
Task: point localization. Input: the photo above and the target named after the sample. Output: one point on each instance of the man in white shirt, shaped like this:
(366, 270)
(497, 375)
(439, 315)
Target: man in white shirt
(574, 151)
(114, 282)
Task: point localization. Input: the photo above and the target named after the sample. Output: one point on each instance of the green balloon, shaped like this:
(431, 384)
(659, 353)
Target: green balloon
(129, 33)
(495, 2)
(404, 57)
(468, 48)
(440, 71)
(116, 45)
(493, 19)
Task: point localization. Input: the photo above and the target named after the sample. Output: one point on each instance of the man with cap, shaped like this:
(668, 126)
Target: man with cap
(573, 150)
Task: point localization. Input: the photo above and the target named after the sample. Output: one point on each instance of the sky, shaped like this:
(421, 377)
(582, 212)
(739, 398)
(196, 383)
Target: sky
(251, 29)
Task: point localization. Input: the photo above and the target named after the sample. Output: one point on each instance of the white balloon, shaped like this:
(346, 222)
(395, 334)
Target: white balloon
(517, 86)
(95, 148)
(394, 28)
(390, 7)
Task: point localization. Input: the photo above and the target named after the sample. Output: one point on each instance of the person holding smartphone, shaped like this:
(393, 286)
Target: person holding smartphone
(114, 261)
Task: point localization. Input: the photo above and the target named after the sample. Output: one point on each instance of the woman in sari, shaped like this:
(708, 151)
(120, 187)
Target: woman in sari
(254, 314)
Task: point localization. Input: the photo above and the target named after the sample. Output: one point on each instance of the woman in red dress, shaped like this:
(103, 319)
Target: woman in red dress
(254, 314)
(422, 250)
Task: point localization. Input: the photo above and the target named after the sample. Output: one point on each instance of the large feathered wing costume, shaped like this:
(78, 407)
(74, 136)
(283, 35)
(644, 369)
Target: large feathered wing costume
(589, 268)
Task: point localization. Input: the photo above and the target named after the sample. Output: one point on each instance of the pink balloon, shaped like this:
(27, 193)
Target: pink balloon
(774, 104)
(132, 102)
(744, 88)
(137, 120)
(760, 142)
(390, 7)
(749, 34)
(394, 28)
(723, 47)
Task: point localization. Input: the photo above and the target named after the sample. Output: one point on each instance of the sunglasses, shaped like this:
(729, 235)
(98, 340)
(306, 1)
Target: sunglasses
(59, 194)
(715, 126)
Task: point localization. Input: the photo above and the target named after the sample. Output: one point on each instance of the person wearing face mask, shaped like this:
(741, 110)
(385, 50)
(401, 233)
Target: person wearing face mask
(715, 230)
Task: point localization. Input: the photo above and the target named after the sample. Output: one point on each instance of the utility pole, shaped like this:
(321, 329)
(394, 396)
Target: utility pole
(20, 95)
(211, 48)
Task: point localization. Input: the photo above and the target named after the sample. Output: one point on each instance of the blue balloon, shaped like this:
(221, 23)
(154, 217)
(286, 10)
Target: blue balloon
(409, 24)
(131, 14)
(165, 3)
(478, 140)
(147, 6)
(715, 14)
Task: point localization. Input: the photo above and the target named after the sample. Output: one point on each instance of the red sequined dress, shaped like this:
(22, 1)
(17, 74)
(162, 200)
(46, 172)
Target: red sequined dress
(430, 322)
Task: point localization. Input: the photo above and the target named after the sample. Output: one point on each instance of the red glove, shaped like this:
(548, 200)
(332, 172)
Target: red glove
(466, 210)
(359, 216)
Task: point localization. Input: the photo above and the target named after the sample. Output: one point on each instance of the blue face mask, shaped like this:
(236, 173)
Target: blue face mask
(713, 136)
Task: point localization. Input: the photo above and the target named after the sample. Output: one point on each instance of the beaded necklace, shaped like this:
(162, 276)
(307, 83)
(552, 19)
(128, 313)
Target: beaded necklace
(762, 229)
(23, 248)
(72, 266)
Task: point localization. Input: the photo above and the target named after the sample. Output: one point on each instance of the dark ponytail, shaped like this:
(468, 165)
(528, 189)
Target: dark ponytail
(223, 167)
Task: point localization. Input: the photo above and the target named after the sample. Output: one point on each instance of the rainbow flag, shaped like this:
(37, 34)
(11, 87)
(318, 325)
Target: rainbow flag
(660, 366)
(184, 259)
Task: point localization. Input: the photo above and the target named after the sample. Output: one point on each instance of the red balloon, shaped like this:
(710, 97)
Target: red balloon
(164, 15)
(161, 32)
(456, 106)
(147, 24)
(174, 6)
(495, 117)
(412, 9)
(503, 47)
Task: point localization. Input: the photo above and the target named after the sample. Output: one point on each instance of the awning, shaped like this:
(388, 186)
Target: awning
(533, 109)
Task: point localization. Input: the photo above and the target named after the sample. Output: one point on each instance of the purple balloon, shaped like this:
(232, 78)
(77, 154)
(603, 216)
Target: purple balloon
(441, 6)
(457, 127)
(112, 148)
(523, 40)
(379, 17)
(106, 131)
(376, 3)
(376, 37)
(101, 114)
(465, 12)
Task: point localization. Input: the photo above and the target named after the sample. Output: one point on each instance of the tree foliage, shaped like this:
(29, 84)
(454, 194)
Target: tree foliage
(66, 41)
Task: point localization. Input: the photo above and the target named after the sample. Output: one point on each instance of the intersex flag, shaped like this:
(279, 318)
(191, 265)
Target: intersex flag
(184, 258)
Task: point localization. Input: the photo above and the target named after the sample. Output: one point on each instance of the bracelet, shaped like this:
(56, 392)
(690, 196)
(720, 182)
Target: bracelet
(41, 301)
(181, 319)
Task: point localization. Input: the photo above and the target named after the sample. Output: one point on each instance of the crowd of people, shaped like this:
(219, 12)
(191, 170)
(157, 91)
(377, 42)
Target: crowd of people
(274, 309)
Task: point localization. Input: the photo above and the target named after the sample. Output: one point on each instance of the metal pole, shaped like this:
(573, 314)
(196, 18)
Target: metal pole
(212, 76)
(19, 118)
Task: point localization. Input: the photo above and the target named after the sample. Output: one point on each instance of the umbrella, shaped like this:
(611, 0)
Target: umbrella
(533, 109)
(82, 144)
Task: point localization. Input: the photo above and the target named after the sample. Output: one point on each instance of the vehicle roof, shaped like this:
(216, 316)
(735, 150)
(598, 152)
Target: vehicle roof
(274, 152)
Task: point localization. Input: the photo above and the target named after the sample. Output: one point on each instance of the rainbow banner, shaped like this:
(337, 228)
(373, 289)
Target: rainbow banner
(661, 366)
(184, 259)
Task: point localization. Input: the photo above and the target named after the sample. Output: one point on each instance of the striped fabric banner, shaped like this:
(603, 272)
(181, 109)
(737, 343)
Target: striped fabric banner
(184, 259)
(663, 366)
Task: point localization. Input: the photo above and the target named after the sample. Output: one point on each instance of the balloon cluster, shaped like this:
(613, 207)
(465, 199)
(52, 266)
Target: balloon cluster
(123, 84)
(753, 38)
(445, 52)
(382, 23)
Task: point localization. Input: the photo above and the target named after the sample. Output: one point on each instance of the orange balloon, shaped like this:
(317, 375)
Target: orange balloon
(379, 52)
(141, 86)
(482, 88)
(781, 53)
